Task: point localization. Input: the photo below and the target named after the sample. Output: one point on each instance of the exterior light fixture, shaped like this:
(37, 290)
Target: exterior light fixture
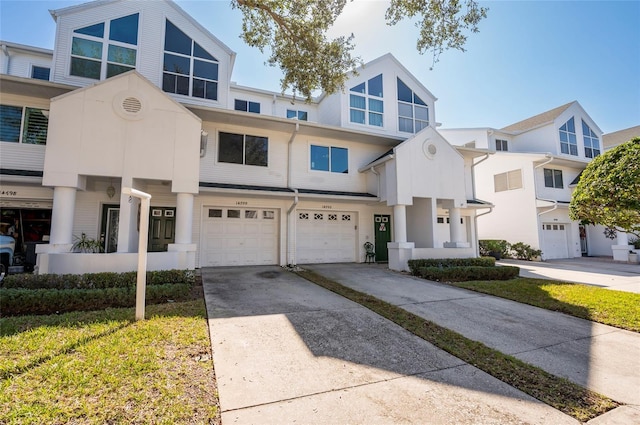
(111, 191)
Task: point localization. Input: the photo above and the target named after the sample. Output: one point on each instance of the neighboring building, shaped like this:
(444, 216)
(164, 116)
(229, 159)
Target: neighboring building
(138, 94)
(611, 140)
(530, 178)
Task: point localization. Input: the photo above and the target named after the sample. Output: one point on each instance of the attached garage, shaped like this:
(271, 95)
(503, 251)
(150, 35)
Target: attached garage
(239, 236)
(555, 241)
(326, 237)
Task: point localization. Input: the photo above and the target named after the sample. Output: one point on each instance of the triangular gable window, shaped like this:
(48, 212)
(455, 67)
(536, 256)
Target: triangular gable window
(368, 108)
(96, 30)
(591, 141)
(413, 112)
(568, 141)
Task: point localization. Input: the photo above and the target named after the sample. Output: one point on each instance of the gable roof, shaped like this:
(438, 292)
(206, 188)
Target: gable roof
(538, 120)
(618, 137)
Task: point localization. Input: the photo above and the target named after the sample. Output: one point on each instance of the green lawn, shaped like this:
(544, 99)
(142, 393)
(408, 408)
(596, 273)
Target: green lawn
(615, 308)
(104, 367)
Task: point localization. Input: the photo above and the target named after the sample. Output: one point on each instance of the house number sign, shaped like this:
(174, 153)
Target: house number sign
(327, 207)
(242, 203)
(8, 193)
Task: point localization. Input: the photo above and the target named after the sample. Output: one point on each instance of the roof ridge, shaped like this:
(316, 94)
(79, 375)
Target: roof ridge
(538, 119)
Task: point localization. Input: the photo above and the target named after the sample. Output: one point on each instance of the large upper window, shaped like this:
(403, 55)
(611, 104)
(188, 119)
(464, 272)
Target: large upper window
(568, 141)
(243, 149)
(553, 178)
(591, 141)
(507, 181)
(105, 49)
(23, 125)
(246, 106)
(188, 68)
(413, 113)
(333, 159)
(365, 102)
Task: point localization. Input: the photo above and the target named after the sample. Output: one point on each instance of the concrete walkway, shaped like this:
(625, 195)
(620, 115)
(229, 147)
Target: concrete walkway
(287, 351)
(597, 271)
(602, 358)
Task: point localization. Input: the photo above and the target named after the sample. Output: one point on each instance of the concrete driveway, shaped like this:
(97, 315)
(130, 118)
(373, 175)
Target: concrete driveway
(287, 351)
(596, 271)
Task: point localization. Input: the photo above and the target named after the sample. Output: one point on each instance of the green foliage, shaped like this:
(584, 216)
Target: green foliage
(492, 246)
(96, 280)
(463, 274)
(295, 33)
(635, 242)
(19, 301)
(609, 190)
(86, 245)
(416, 265)
(522, 251)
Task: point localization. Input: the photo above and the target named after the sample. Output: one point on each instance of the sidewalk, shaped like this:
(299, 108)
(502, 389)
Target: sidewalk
(287, 351)
(599, 357)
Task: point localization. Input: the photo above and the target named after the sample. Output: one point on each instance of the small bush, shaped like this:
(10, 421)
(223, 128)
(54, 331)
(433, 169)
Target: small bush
(491, 247)
(522, 251)
(20, 301)
(463, 274)
(96, 280)
(416, 265)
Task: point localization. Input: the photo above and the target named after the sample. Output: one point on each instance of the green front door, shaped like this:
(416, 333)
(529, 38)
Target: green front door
(382, 232)
(162, 229)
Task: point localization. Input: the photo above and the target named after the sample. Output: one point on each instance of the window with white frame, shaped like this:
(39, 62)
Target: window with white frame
(243, 149)
(105, 49)
(188, 68)
(507, 181)
(40, 72)
(330, 158)
(365, 102)
(23, 125)
(246, 106)
(568, 140)
(591, 141)
(297, 114)
(502, 145)
(553, 178)
(413, 112)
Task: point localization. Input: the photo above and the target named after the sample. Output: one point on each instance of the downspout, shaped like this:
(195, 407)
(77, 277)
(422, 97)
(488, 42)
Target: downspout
(291, 227)
(203, 143)
(373, 170)
(475, 224)
(555, 203)
(473, 173)
(5, 50)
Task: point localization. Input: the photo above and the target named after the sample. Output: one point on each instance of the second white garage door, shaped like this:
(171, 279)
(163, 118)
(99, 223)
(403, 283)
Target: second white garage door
(239, 236)
(555, 241)
(326, 237)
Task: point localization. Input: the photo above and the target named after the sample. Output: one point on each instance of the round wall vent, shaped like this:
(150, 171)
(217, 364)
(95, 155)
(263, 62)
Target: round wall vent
(430, 150)
(132, 105)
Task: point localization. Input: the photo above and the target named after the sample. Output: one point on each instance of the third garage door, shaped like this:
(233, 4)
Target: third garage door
(326, 237)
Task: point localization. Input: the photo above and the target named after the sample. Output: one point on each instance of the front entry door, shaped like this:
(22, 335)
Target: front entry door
(382, 232)
(109, 227)
(583, 240)
(162, 229)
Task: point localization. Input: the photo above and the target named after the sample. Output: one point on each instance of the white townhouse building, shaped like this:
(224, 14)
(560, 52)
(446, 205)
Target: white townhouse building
(138, 94)
(529, 177)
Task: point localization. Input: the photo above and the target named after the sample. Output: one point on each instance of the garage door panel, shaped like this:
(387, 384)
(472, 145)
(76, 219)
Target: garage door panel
(555, 241)
(325, 237)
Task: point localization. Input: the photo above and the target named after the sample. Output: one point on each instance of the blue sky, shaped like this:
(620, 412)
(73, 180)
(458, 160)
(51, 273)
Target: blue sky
(529, 56)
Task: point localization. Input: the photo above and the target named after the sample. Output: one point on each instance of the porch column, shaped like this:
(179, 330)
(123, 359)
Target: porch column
(455, 228)
(184, 218)
(621, 249)
(400, 223)
(64, 204)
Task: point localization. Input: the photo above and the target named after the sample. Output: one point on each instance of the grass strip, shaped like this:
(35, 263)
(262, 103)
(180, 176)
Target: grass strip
(104, 367)
(560, 393)
(615, 308)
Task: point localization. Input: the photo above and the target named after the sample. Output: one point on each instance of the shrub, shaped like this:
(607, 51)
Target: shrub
(96, 280)
(463, 274)
(20, 301)
(494, 247)
(635, 242)
(522, 251)
(416, 265)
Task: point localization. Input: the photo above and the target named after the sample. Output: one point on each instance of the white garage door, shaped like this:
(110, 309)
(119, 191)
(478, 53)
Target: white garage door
(239, 236)
(326, 237)
(555, 243)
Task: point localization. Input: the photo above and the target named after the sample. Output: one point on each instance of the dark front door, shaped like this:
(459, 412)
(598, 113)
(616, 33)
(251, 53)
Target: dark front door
(162, 229)
(382, 232)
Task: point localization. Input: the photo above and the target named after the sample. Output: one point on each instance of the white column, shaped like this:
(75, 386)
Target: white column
(64, 203)
(184, 218)
(400, 223)
(620, 251)
(455, 228)
(622, 238)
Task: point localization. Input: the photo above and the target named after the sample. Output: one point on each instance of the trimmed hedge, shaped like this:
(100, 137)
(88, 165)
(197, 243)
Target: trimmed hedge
(96, 280)
(416, 265)
(463, 274)
(20, 301)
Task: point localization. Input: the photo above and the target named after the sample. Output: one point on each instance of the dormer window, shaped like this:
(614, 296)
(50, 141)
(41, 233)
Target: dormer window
(568, 141)
(413, 112)
(105, 49)
(365, 102)
(188, 68)
(591, 141)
